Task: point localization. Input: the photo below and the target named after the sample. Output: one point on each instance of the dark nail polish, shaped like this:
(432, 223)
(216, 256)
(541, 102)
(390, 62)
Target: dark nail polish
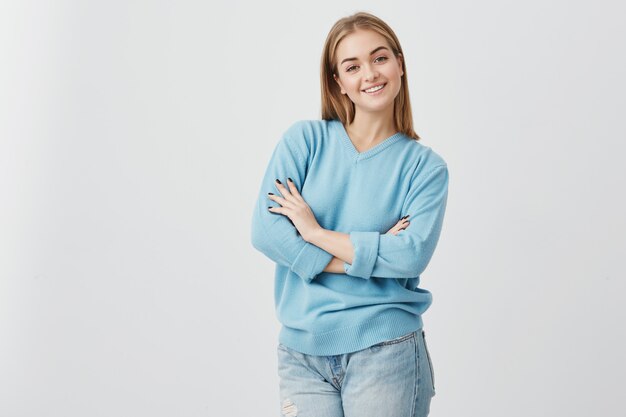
(271, 193)
(278, 181)
(289, 179)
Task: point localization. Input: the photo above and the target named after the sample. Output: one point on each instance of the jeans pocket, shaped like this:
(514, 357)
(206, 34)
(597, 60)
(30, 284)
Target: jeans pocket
(430, 363)
(395, 340)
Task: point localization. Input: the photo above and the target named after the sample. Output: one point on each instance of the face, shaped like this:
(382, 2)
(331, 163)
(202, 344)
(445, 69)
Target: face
(365, 60)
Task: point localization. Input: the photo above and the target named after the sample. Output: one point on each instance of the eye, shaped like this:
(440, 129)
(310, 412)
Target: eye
(384, 58)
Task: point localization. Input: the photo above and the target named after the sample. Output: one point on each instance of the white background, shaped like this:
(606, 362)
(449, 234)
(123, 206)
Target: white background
(133, 139)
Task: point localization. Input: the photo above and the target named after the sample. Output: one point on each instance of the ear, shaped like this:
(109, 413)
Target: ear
(339, 83)
(399, 59)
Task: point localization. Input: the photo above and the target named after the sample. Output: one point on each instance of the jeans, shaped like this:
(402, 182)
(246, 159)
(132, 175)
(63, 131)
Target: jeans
(393, 378)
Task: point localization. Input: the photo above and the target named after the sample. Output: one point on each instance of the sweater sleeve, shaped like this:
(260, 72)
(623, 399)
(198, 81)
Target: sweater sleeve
(273, 234)
(406, 254)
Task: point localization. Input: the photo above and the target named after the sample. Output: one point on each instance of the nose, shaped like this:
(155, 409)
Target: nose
(371, 73)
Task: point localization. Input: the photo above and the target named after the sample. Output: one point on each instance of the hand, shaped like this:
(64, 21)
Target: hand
(295, 208)
(401, 225)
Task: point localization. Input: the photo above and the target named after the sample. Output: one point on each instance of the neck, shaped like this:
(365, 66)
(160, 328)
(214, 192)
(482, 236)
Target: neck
(370, 128)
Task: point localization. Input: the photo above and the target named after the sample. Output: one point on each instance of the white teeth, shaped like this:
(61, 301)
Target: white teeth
(371, 90)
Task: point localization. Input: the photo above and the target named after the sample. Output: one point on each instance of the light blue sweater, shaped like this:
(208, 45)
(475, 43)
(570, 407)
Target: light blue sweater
(364, 195)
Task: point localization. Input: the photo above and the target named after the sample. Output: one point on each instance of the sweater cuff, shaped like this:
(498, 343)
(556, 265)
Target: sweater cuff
(310, 262)
(365, 253)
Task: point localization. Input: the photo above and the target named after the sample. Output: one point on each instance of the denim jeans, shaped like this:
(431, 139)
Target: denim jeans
(393, 378)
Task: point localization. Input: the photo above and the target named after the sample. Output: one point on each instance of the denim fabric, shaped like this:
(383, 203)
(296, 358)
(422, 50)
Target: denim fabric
(393, 378)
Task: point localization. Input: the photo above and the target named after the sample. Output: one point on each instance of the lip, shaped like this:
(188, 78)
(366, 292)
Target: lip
(372, 86)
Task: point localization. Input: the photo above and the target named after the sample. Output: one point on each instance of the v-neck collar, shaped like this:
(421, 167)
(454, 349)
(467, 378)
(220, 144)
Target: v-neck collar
(370, 152)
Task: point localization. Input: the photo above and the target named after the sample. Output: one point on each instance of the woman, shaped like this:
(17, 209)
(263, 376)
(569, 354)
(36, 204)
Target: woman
(358, 210)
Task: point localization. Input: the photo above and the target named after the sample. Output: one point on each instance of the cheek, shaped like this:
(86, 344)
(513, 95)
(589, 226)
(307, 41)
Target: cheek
(353, 86)
(350, 86)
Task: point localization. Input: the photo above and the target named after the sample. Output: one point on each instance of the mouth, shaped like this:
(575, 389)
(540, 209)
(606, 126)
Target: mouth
(375, 89)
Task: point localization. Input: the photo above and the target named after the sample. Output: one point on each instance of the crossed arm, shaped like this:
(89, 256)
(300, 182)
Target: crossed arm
(293, 238)
(340, 246)
(336, 243)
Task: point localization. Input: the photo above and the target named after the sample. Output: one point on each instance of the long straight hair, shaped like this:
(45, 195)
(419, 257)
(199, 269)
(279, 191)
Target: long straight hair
(339, 106)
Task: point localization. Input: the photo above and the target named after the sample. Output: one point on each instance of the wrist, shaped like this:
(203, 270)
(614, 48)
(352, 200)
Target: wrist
(335, 266)
(314, 236)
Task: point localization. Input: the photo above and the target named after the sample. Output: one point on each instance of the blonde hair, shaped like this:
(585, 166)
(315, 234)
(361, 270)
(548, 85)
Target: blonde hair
(339, 106)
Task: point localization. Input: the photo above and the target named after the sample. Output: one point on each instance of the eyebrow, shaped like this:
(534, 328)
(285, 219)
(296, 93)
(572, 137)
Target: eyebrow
(371, 53)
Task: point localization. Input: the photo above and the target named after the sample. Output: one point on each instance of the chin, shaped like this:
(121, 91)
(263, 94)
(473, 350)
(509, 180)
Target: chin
(374, 109)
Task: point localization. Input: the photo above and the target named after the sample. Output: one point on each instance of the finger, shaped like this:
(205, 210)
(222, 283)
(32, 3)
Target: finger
(283, 202)
(275, 210)
(280, 210)
(283, 190)
(401, 223)
(293, 188)
(398, 230)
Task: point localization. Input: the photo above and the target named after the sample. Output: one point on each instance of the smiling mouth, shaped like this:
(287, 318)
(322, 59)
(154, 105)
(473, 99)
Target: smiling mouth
(376, 89)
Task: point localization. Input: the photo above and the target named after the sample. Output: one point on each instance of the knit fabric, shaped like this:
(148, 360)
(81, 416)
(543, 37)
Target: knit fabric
(362, 194)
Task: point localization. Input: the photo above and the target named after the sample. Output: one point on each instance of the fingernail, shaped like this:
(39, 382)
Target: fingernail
(278, 181)
(404, 217)
(271, 193)
(289, 179)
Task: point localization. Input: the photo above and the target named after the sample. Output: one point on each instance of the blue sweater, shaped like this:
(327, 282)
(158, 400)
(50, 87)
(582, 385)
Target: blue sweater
(364, 195)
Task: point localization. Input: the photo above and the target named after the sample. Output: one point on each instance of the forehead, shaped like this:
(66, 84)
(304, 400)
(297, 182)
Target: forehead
(359, 44)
